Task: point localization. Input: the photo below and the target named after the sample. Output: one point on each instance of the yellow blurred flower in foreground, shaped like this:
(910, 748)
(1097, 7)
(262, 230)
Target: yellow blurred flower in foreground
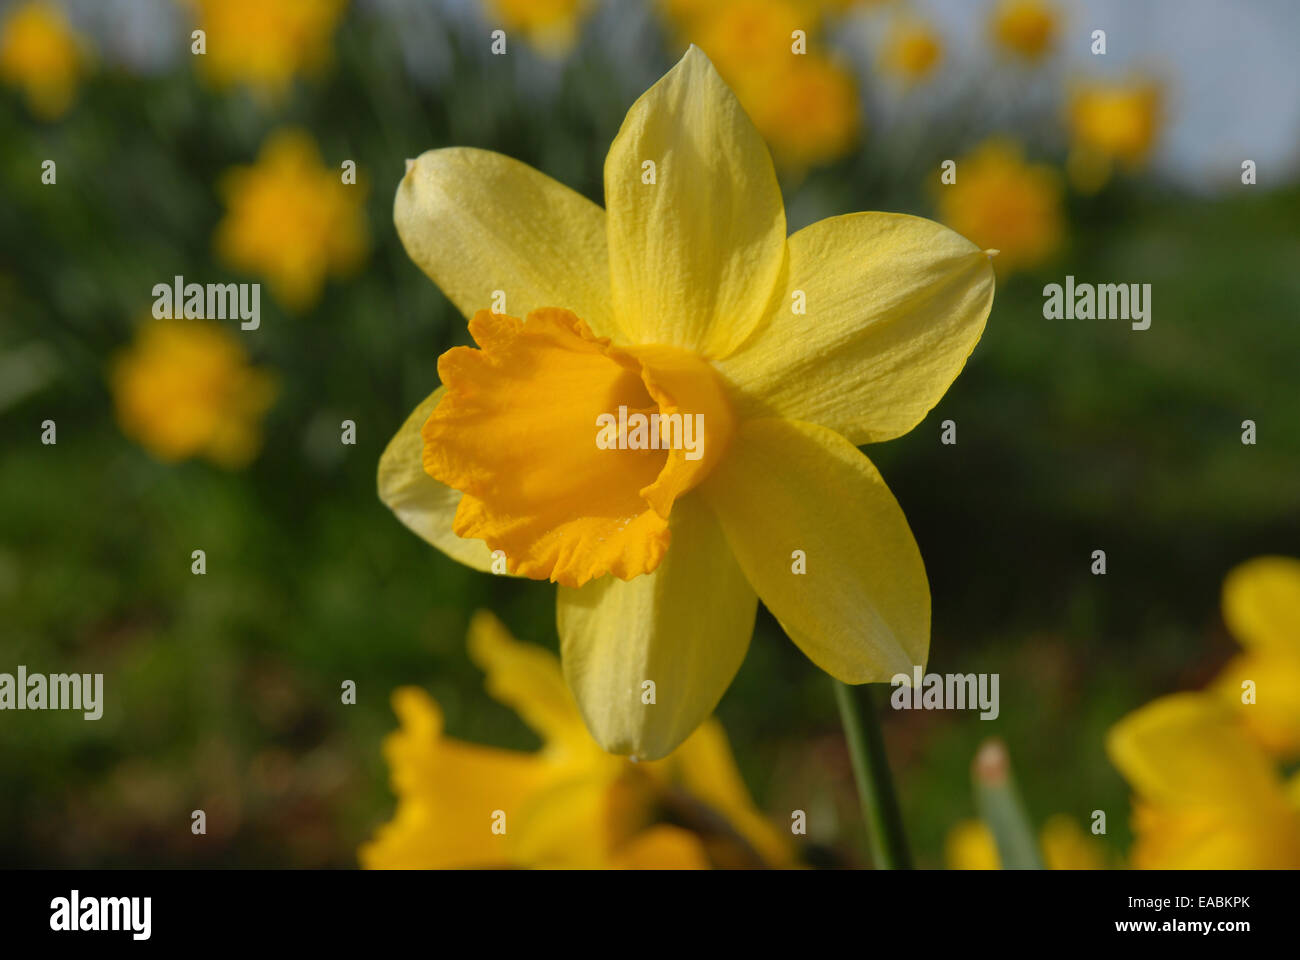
(264, 44)
(551, 26)
(912, 50)
(1110, 123)
(1208, 797)
(41, 56)
(805, 105)
(1003, 203)
(1065, 846)
(1026, 28)
(185, 389)
(292, 219)
(1261, 605)
(569, 804)
(683, 299)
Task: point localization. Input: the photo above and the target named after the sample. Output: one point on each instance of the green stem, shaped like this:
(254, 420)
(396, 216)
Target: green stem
(875, 783)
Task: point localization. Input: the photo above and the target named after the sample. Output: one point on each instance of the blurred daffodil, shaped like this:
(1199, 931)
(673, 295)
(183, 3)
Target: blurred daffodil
(808, 113)
(1208, 796)
(1110, 124)
(550, 26)
(569, 804)
(263, 44)
(912, 50)
(1006, 204)
(682, 297)
(1026, 28)
(1261, 605)
(1065, 846)
(41, 56)
(292, 219)
(805, 105)
(185, 389)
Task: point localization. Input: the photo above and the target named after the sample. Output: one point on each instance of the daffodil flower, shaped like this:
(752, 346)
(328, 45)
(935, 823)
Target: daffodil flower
(683, 295)
(41, 56)
(1209, 797)
(569, 804)
(1261, 605)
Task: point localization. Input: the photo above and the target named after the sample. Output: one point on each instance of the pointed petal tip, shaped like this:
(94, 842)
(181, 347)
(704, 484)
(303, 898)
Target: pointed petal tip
(410, 165)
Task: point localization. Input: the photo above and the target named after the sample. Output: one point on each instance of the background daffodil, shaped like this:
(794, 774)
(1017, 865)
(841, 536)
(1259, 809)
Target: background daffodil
(912, 51)
(1208, 796)
(1261, 605)
(569, 804)
(551, 26)
(1111, 124)
(1004, 203)
(185, 388)
(264, 44)
(683, 294)
(292, 219)
(41, 56)
(804, 105)
(1026, 28)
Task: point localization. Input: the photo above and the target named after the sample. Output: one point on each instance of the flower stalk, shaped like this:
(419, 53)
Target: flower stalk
(875, 781)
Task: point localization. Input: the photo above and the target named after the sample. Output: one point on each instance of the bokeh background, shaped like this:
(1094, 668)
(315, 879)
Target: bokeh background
(223, 690)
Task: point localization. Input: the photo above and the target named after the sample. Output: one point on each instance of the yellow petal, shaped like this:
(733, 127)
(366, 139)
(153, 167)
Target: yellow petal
(861, 612)
(694, 255)
(970, 846)
(424, 505)
(895, 304)
(706, 769)
(1261, 604)
(478, 222)
(662, 847)
(1186, 749)
(527, 678)
(447, 794)
(1066, 846)
(1273, 717)
(566, 825)
(685, 628)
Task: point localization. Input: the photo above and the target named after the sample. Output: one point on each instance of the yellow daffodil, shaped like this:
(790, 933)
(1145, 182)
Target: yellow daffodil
(185, 388)
(1208, 797)
(264, 44)
(805, 105)
(1026, 28)
(683, 296)
(292, 219)
(1065, 846)
(1111, 123)
(569, 804)
(41, 56)
(1003, 203)
(1261, 605)
(912, 51)
(809, 113)
(551, 26)
(970, 846)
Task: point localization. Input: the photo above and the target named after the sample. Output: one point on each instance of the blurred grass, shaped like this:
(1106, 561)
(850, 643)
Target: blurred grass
(223, 691)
